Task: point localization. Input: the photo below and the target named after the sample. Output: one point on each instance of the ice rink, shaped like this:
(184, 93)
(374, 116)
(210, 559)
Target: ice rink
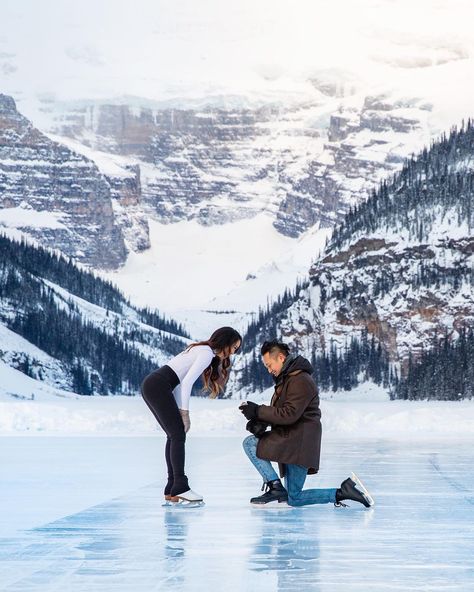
(85, 514)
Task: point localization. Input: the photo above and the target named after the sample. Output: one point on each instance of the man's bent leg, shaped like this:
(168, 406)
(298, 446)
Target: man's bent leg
(264, 467)
(294, 481)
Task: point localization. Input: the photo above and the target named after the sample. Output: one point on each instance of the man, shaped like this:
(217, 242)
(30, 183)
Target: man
(294, 440)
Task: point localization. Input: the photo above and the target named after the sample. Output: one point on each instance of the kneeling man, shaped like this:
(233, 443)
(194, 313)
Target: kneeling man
(294, 440)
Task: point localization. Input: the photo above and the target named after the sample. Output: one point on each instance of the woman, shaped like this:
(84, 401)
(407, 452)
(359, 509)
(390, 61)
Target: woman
(167, 392)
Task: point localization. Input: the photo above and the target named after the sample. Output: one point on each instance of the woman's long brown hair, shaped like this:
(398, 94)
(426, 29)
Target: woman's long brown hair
(215, 375)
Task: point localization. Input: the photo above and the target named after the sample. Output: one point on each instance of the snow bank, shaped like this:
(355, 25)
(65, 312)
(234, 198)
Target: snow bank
(28, 406)
(402, 420)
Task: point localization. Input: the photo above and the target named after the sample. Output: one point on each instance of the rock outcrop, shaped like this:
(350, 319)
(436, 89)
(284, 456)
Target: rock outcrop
(55, 195)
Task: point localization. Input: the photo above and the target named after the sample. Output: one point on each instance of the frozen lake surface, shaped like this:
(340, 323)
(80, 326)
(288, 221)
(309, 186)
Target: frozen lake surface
(85, 514)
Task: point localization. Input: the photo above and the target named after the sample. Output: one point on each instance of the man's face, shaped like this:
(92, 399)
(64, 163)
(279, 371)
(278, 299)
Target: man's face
(273, 363)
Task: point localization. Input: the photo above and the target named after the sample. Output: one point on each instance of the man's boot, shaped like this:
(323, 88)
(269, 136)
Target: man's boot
(353, 489)
(274, 492)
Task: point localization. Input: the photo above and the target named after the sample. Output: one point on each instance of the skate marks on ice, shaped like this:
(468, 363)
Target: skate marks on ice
(418, 537)
(271, 507)
(455, 481)
(84, 550)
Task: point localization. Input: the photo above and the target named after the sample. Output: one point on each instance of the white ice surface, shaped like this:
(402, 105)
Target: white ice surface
(85, 514)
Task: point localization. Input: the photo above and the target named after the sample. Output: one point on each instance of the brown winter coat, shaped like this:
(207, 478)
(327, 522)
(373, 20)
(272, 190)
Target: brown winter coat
(295, 419)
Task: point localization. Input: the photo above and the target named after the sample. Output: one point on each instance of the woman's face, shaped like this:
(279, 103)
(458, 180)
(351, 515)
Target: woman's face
(228, 351)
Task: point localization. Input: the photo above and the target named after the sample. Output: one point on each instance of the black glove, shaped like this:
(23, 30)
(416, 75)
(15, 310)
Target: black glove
(257, 428)
(249, 409)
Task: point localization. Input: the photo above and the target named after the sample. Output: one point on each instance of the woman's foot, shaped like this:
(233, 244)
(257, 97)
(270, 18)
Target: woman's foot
(187, 496)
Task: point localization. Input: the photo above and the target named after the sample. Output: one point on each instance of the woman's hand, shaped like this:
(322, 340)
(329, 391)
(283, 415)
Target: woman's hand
(186, 420)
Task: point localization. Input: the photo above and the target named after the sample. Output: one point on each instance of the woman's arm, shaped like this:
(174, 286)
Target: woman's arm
(201, 362)
(177, 395)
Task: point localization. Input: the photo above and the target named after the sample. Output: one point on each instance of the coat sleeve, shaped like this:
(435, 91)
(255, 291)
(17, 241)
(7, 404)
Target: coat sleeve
(298, 396)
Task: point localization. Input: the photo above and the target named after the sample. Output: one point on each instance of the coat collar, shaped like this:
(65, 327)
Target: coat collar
(279, 387)
(293, 365)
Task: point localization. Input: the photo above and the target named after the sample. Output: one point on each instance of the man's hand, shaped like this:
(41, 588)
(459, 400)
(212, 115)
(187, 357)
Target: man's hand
(186, 420)
(256, 427)
(249, 409)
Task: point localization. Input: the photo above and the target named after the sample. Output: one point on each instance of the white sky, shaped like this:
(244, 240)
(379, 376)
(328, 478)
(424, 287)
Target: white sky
(161, 48)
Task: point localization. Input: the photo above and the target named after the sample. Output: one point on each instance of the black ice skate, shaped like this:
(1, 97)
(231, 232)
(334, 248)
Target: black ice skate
(275, 492)
(353, 489)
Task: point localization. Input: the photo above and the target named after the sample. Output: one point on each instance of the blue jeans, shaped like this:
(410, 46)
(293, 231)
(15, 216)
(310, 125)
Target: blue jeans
(295, 476)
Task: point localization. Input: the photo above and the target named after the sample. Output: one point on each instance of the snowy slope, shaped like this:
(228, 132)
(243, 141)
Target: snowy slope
(119, 325)
(195, 274)
(86, 326)
(14, 350)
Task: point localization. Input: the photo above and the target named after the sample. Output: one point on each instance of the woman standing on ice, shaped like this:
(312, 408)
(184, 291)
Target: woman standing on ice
(167, 391)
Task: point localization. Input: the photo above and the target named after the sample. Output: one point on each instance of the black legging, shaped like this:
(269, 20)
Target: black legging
(157, 391)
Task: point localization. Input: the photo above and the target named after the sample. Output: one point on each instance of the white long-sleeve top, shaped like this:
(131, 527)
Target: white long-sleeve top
(188, 366)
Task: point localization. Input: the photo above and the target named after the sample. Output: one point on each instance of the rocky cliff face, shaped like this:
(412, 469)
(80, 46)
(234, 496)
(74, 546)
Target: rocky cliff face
(126, 193)
(110, 167)
(194, 164)
(363, 145)
(305, 163)
(384, 286)
(60, 197)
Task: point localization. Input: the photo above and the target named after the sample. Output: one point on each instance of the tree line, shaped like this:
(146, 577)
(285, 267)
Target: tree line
(95, 361)
(85, 284)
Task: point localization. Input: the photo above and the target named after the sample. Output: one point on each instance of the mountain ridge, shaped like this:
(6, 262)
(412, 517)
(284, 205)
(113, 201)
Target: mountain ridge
(399, 270)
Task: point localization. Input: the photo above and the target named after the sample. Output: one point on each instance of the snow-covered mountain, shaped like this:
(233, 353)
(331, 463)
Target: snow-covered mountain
(298, 166)
(296, 162)
(60, 197)
(218, 114)
(202, 154)
(398, 271)
(302, 163)
(232, 112)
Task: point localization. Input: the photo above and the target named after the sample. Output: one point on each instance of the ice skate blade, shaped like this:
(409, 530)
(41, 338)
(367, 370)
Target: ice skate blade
(181, 505)
(362, 488)
(272, 506)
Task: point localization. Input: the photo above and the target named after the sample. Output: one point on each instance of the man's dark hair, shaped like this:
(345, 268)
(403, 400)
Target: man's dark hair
(274, 346)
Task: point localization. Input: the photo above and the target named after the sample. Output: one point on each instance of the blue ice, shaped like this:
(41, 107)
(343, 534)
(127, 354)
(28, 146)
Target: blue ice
(419, 536)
